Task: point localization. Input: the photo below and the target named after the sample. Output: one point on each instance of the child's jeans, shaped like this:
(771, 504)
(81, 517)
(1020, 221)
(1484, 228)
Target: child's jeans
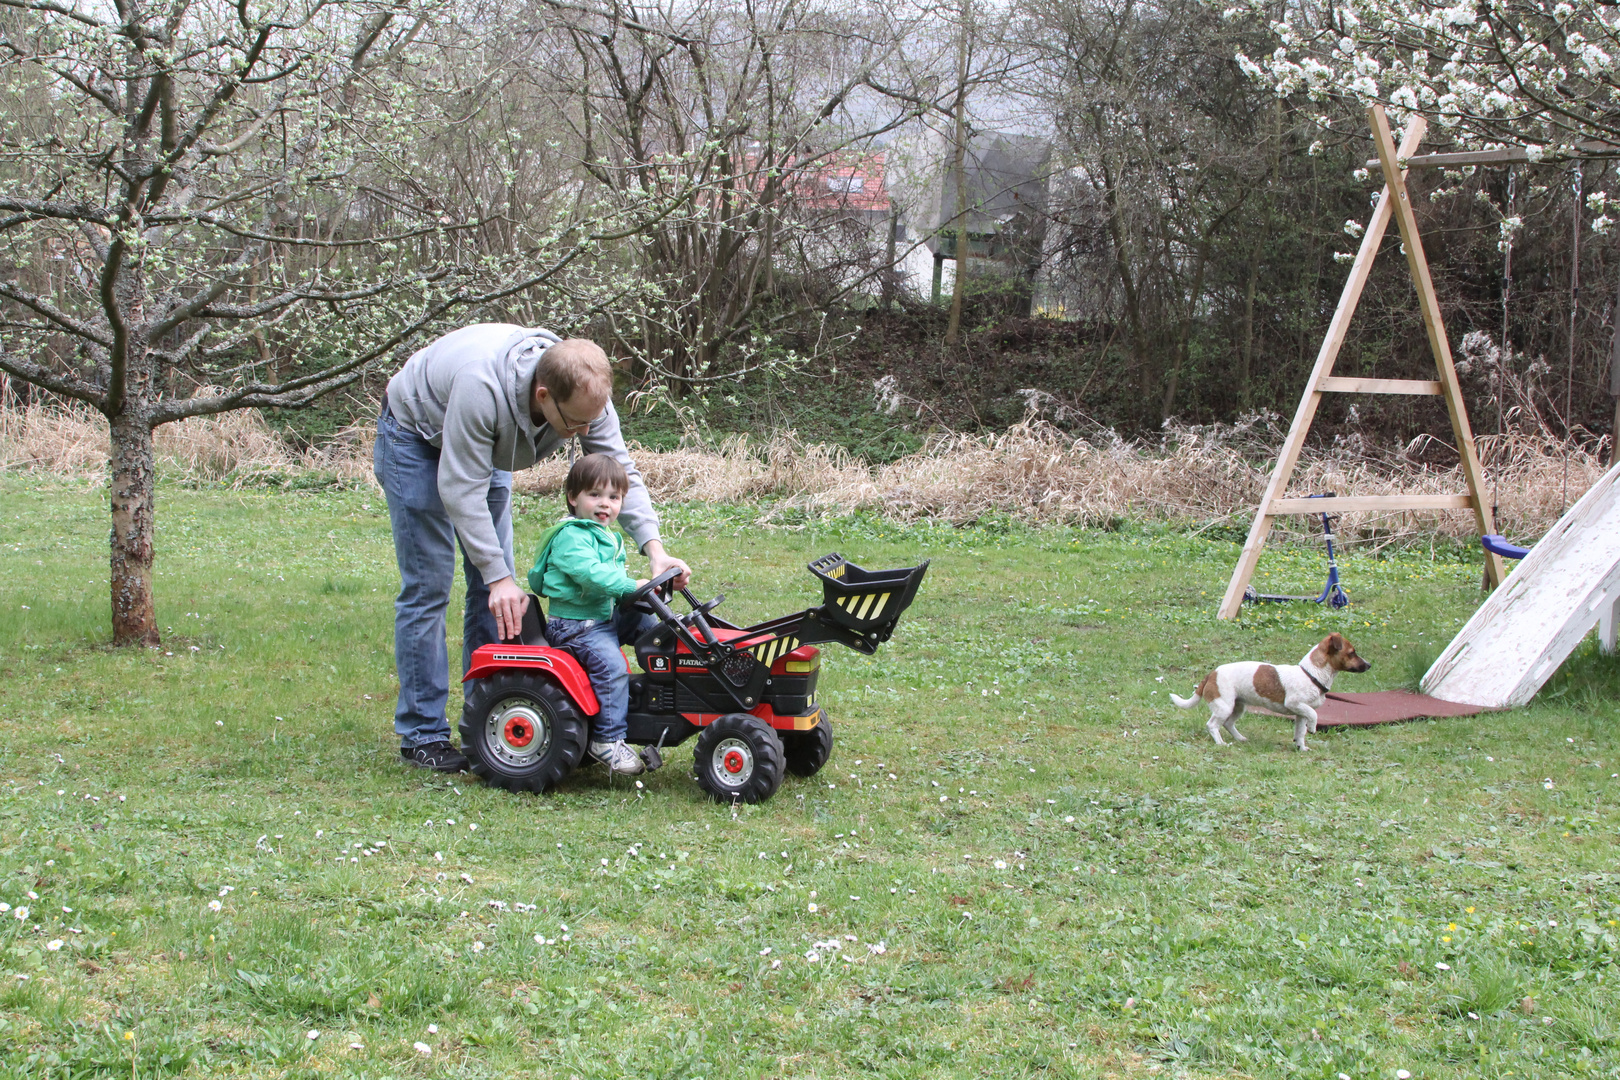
(595, 644)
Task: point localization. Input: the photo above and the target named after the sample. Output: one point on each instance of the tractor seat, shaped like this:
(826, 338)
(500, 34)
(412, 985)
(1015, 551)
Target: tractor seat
(534, 626)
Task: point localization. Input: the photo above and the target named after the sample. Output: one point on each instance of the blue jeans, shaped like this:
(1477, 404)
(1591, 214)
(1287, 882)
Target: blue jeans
(407, 467)
(595, 644)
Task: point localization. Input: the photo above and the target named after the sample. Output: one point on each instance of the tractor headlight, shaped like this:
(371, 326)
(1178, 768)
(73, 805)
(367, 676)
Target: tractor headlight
(802, 667)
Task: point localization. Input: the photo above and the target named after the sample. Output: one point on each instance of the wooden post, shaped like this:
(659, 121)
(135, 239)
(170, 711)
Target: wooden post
(1429, 304)
(1614, 385)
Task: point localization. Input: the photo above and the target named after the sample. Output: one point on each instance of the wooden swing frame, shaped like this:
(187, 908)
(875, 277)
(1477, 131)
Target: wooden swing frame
(1393, 202)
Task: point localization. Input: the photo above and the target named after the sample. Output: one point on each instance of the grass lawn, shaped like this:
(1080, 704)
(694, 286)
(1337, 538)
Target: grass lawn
(1021, 861)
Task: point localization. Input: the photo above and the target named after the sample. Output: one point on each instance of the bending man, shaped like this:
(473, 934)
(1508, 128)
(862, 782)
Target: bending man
(460, 418)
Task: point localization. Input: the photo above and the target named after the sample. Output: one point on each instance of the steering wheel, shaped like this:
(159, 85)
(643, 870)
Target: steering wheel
(661, 586)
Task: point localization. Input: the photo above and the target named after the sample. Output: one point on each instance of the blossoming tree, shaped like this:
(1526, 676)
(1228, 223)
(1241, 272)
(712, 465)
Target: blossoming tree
(1535, 73)
(179, 181)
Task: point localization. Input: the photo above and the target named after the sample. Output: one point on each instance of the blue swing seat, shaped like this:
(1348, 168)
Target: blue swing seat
(1498, 544)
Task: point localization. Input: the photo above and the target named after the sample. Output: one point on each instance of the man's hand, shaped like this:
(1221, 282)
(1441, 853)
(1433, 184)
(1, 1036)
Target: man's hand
(507, 603)
(661, 561)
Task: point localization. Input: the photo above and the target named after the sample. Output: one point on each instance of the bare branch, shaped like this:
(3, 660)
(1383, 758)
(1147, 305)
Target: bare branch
(56, 383)
(77, 327)
(225, 149)
(179, 354)
(35, 210)
(118, 348)
(55, 9)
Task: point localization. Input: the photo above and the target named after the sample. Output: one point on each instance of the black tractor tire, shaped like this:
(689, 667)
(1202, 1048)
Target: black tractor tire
(739, 759)
(522, 732)
(808, 751)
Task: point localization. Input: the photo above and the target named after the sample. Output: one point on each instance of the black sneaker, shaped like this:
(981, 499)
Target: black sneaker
(439, 756)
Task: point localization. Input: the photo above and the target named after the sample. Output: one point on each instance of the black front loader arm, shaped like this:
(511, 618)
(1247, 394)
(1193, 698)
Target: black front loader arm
(859, 609)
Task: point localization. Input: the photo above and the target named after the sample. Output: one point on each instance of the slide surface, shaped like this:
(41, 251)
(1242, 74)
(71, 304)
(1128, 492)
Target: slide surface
(1568, 583)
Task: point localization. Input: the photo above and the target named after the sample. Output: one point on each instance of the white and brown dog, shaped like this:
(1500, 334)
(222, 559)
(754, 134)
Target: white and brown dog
(1293, 690)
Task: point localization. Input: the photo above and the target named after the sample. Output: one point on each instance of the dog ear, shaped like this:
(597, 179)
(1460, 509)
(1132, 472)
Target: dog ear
(1336, 643)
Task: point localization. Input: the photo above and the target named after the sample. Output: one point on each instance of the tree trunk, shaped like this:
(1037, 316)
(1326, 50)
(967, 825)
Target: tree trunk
(959, 167)
(1184, 333)
(134, 619)
(1246, 369)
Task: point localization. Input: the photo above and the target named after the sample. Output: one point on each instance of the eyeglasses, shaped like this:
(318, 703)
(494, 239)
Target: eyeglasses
(569, 424)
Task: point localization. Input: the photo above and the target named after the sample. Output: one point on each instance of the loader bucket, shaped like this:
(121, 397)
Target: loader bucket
(865, 600)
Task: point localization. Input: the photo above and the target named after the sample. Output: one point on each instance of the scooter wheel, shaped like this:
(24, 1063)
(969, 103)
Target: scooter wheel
(808, 751)
(739, 759)
(522, 732)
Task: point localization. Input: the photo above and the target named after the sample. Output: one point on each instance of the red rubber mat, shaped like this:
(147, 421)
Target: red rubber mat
(1386, 707)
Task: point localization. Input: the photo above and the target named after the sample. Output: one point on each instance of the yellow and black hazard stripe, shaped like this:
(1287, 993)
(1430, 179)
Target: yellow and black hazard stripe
(859, 604)
(768, 652)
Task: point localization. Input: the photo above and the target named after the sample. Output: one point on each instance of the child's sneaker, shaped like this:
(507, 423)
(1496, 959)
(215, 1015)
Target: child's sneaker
(618, 757)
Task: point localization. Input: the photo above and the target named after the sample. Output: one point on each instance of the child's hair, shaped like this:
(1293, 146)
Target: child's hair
(574, 364)
(596, 471)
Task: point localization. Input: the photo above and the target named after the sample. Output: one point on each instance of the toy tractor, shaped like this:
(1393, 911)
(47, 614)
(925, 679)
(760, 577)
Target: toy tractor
(747, 693)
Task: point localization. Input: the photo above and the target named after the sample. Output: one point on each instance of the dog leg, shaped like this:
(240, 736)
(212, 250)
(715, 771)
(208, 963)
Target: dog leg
(1231, 723)
(1310, 716)
(1304, 720)
(1217, 716)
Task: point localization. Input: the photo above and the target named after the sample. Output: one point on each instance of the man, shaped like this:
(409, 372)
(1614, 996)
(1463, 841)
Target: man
(460, 417)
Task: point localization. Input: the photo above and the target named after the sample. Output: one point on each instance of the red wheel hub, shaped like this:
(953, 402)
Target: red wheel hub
(733, 762)
(519, 732)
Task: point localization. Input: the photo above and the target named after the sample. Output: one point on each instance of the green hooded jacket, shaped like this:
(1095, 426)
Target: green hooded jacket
(579, 567)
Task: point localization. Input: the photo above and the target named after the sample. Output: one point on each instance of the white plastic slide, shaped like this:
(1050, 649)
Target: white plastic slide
(1568, 583)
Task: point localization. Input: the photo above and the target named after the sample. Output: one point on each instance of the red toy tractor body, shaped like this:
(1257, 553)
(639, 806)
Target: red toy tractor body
(747, 693)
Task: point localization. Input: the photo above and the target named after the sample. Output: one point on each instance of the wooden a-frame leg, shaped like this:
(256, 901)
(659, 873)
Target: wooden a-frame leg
(1429, 304)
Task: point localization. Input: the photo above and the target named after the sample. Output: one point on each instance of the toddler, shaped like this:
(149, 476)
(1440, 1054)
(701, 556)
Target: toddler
(580, 568)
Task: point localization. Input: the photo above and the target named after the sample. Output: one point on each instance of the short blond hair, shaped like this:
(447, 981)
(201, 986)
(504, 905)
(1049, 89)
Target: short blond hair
(571, 365)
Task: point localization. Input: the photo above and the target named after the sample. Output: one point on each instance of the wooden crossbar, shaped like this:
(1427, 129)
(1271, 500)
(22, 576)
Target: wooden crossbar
(1337, 385)
(1393, 204)
(1507, 155)
(1340, 503)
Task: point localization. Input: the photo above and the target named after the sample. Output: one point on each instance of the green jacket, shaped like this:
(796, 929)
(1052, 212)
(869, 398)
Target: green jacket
(579, 567)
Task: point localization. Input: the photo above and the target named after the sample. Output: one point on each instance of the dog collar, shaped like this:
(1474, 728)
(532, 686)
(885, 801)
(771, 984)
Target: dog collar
(1313, 678)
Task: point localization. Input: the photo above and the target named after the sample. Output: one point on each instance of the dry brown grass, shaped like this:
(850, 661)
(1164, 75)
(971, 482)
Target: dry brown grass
(1032, 472)
(235, 447)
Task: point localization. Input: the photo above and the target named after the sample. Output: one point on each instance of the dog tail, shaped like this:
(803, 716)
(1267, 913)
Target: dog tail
(1206, 690)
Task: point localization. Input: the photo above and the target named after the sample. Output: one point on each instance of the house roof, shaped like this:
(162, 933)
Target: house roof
(1006, 175)
(847, 181)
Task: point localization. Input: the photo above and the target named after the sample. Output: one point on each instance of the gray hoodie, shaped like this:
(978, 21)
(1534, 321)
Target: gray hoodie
(468, 393)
